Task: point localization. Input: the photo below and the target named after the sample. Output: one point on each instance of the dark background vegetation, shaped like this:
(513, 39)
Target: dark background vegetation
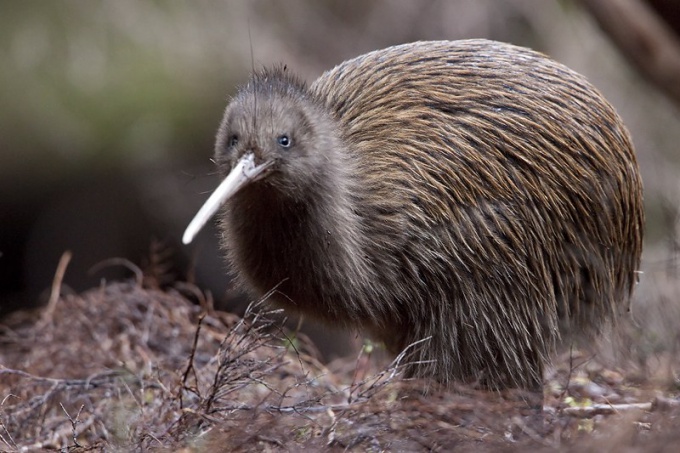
(108, 112)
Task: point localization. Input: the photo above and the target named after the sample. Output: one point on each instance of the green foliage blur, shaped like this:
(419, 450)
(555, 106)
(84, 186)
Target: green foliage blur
(90, 85)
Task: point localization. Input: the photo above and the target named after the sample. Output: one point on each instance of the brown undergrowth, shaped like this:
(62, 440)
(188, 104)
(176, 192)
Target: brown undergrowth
(128, 367)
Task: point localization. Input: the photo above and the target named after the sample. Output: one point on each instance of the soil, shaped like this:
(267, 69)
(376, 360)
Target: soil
(131, 367)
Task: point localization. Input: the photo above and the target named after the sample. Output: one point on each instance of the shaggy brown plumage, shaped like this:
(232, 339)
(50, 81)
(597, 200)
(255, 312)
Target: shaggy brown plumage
(473, 192)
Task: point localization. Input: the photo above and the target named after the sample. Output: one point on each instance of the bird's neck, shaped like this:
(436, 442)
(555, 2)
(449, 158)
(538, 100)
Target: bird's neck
(309, 247)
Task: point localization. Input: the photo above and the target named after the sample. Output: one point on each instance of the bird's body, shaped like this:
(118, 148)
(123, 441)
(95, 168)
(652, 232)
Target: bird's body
(473, 192)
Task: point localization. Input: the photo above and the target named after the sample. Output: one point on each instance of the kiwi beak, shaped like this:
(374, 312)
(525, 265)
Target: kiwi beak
(243, 173)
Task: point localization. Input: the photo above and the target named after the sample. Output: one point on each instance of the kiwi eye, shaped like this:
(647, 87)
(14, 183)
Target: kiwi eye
(284, 141)
(233, 140)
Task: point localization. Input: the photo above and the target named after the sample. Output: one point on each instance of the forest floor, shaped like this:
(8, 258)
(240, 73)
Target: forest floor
(130, 367)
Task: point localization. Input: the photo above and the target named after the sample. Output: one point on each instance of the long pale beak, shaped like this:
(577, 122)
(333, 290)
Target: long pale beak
(244, 172)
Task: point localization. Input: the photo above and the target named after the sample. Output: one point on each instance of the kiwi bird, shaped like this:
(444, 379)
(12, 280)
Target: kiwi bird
(474, 193)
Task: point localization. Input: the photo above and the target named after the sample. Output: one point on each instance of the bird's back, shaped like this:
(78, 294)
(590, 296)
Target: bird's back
(494, 176)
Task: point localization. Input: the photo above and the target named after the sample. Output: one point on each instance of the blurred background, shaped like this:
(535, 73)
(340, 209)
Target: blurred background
(108, 112)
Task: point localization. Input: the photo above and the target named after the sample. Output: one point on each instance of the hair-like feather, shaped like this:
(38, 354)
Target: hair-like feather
(473, 192)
